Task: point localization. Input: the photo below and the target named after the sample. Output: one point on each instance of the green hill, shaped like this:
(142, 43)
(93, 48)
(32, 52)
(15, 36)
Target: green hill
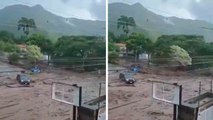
(48, 23)
(154, 25)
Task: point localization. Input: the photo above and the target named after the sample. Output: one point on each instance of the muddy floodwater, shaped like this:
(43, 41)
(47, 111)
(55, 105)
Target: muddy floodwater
(34, 102)
(127, 102)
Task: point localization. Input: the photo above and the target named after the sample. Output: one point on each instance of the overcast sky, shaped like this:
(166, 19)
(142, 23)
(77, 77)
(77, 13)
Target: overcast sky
(83, 9)
(188, 9)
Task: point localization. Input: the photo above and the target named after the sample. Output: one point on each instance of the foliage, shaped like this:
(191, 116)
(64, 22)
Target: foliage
(113, 57)
(206, 49)
(138, 43)
(34, 53)
(25, 24)
(191, 43)
(125, 22)
(111, 36)
(6, 37)
(8, 47)
(113, 52)
(180, 55)
(41, 41)
(13, 58)
(21, 40)
(89, 51)
(79, 46)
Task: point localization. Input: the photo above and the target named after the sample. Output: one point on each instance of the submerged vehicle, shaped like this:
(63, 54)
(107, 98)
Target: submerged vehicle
(35, 69)
(23, 79)
(136, 68)
(128, 77)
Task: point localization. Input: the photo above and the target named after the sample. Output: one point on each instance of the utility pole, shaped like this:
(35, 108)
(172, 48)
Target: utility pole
(135, 56)
(82, 53)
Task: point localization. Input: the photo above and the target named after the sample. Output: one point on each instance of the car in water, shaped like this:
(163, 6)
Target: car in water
(136, 68)
(23, 79)
(127, 77)
(35, 69)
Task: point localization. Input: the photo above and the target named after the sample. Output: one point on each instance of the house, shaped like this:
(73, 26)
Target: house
(22, 47)
(123, 49)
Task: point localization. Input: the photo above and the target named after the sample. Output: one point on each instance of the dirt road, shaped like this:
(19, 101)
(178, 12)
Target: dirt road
(35, 103)
(136, 103)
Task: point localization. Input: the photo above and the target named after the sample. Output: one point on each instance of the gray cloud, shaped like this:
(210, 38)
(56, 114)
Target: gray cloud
(98, 9)
(202, 10)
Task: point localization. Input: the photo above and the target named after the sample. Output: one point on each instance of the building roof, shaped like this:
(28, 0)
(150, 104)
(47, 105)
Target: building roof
(120, 44)
(21, 45)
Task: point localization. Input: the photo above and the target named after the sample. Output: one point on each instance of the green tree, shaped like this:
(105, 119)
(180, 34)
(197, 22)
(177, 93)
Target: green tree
(6, 36)
(138, 43)
(13, 58)
(125, 22)
(191, 43)
(78, 46)
(8, 47)
(113, 57)
(80, 51)
(26, 24)
(206, 49)
(113, 53)
(41, 41)
(21, 40)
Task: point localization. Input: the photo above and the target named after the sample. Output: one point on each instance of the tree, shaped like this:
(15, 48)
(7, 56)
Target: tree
(26, 24)
(41, 41)
(6, 36)
(190, 43)
(13, 58)
(113, 53)
(206, 49)
(78, 46)
(8, 47)
(113, 57)
(180, 55)
(138, 43)
(82, 51)
(21, 40)
(125, 22)
(34, 53)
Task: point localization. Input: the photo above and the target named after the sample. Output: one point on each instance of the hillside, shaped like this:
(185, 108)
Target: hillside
(48, 23)
(154, 25)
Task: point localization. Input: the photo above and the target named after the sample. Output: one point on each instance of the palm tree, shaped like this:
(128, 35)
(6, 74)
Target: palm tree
(125, 22)
(25, 24)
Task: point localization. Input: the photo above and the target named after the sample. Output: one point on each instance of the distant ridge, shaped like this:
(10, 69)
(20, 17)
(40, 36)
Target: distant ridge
(154, 25)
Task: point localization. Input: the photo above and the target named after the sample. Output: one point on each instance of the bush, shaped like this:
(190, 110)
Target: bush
(113, 57)
(13, 58)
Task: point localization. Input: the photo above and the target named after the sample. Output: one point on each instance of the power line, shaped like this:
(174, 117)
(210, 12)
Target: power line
(149, 28)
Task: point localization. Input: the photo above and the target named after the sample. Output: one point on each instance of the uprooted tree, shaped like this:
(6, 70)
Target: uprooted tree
(34, 53)
(180, 56)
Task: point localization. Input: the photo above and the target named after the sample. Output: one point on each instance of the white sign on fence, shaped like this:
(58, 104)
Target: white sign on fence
(66, 93)
(166, 92)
